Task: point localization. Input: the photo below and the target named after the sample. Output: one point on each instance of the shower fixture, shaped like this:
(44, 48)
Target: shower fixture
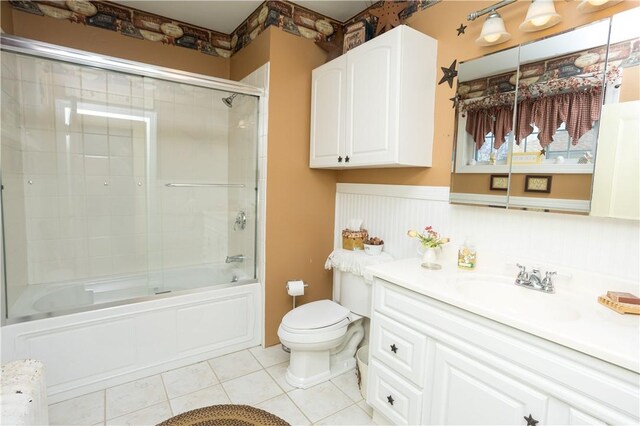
(228, 101)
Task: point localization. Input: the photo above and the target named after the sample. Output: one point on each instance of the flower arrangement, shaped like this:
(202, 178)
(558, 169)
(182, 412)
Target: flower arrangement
(429, 238)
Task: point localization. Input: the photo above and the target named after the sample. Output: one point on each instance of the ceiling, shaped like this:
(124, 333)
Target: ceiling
(226, 16)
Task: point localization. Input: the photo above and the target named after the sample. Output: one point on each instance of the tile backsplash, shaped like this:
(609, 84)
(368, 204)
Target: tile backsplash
(599, 245)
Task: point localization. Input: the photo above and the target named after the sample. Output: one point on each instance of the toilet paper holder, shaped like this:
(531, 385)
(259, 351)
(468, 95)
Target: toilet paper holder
(294, 285)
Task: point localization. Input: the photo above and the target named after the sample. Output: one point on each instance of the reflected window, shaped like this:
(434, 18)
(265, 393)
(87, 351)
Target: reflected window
(487, 153)
(561, 145)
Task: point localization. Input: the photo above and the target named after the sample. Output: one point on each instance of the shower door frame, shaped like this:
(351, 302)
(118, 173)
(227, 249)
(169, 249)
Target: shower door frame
(16, 44)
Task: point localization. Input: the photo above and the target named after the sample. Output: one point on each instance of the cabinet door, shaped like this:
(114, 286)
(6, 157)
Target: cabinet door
(372, 102)
(328, 96)
(472, 391)
(616, 183)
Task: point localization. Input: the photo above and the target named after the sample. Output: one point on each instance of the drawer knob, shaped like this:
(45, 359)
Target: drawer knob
(340, 159)
(530, 420)
(394, 348)
(390, 400)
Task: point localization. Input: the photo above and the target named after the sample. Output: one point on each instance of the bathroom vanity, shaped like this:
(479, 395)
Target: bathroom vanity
(470, 347)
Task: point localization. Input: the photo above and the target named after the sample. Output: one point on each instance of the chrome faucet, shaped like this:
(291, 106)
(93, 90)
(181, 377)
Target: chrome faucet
(534, 279)
(235, 258)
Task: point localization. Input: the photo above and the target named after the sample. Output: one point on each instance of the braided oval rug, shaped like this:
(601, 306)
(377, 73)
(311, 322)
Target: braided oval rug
(225, 415)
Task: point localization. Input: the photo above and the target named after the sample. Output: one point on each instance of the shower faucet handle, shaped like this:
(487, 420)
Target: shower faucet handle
(241, 221)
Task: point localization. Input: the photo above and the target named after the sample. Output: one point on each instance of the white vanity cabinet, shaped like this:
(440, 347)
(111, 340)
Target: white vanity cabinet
(374, 105)
(433, 363)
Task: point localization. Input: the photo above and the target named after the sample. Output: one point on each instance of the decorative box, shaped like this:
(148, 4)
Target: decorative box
(354, 240)
(356, 34)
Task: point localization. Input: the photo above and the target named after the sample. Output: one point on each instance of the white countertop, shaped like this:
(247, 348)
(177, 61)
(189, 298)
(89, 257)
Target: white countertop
(571, 316)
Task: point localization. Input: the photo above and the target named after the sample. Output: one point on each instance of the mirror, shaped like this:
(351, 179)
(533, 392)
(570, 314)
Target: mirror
(528, 120)
(480, 159)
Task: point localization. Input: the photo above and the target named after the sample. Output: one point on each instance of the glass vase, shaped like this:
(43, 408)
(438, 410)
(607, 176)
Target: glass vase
(430, 258)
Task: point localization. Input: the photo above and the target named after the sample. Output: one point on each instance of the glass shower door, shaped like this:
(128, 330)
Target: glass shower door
(118, 186)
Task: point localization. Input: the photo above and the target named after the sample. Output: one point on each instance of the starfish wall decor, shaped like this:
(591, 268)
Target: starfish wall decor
(387, 15)
(449, 73)
(461, 29)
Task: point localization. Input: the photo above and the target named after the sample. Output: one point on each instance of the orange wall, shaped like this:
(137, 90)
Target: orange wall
(98, 40)
(6, 17)
(300, 200)
(440, 22)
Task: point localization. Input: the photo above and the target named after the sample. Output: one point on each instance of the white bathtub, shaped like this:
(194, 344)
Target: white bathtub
(38, 301)
(91, 350)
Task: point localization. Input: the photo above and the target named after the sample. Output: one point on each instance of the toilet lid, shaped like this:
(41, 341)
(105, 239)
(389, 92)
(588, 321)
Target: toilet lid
(320, 314)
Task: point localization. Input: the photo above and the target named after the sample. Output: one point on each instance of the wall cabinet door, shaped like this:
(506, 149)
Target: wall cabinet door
(372, 102)
(470, 391)
(328, 99)
(616, 181)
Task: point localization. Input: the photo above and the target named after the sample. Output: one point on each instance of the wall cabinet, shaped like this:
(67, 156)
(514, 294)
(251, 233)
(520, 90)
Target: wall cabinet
(432, 363)
(374, 105)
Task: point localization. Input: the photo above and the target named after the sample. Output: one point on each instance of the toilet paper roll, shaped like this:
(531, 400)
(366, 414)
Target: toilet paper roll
(295, 288)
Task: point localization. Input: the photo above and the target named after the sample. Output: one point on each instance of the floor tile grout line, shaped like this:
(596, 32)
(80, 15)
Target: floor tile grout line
(166, 391)
(297, 406)
(333, 414)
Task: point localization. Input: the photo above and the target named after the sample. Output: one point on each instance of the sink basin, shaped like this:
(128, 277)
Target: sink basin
(499, 293)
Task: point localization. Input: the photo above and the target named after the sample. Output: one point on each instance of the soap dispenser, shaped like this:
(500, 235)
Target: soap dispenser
(467, 255)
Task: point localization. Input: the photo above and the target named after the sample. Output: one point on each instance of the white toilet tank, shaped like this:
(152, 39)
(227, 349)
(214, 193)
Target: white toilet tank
(352, 292)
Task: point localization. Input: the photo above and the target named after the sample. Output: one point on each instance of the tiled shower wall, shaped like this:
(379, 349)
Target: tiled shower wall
(599, 245)
(85, 194)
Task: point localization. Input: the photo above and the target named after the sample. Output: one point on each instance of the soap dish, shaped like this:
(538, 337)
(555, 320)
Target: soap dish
(622, 308)
(432, 266)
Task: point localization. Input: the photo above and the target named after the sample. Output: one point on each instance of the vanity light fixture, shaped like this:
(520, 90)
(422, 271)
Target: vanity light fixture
(590, 6)
(540, 15)
(493, 31)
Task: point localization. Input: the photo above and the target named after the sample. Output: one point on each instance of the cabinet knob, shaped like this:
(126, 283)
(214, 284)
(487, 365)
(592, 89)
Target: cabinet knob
(530, 420)
(346, 159)
(390, 399)
(394, 348)
(340, 159)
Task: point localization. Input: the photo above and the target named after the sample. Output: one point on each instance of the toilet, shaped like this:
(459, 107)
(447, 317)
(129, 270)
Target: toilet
(323, 336)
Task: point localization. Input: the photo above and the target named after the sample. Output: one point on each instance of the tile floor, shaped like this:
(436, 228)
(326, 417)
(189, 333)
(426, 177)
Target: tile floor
(253, 377)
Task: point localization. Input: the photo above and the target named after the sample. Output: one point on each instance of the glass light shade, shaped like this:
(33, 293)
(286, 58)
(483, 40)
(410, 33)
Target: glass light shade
(541, 14)
(493, 31)
(589, 6)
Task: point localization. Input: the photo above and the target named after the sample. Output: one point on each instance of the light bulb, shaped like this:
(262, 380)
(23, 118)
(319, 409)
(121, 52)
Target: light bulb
(538, 22)
(597, 2)
(490, 38)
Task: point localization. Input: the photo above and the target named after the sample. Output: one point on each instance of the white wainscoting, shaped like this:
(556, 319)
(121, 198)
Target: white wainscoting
(599, 245)
(93, 350)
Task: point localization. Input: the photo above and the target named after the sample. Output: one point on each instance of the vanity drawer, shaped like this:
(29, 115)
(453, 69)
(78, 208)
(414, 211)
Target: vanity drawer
(399, 304)
(399, 347)
(395, 398)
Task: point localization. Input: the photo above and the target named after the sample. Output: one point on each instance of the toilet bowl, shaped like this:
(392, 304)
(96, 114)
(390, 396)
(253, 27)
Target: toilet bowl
(323, 336)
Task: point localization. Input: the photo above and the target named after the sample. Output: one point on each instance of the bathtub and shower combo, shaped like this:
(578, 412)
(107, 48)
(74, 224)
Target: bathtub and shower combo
(129, 216)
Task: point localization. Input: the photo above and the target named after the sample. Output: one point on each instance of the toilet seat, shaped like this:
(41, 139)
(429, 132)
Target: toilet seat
(322, 321)
(322, 314)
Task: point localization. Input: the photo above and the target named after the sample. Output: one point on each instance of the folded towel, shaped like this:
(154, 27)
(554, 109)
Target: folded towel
(355, 261)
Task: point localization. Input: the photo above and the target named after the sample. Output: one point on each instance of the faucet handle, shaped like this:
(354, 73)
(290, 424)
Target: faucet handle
(547, 283)
(523, 271)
